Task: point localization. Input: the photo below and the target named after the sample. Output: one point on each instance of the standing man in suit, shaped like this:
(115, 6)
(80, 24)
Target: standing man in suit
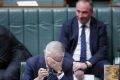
(85, 39)
(39, 67)
(12, 52)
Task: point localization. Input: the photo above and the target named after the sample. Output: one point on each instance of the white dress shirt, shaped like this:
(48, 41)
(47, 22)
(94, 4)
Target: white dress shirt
(77, 52)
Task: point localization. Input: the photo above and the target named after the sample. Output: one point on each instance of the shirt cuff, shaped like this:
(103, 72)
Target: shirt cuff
(60, 76)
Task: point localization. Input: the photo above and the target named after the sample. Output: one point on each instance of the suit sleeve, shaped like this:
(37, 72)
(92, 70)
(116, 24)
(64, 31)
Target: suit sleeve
(15, 55)
(64, 38)
(67, 63)
(102, 48)
(28, 73)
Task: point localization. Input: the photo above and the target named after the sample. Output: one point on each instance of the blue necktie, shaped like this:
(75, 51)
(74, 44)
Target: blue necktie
(83, 45)
(52, 75)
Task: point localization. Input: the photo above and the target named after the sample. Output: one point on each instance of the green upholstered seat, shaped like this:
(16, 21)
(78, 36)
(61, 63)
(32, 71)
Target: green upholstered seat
(60, 15)
(4, 14)
(15, 21)
(104, 14)
(116, 33)
(31, 29)
(45, 21)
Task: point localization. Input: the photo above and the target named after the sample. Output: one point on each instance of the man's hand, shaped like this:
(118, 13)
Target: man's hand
(41, 74)
(57, 66)
(79, 74)
(79, 65)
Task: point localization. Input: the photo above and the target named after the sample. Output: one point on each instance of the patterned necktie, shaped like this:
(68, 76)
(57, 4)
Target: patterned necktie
(83, 45)
(52, 75)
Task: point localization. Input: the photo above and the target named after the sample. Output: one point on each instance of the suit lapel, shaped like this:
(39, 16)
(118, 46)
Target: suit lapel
(92, 34)
(42, 62)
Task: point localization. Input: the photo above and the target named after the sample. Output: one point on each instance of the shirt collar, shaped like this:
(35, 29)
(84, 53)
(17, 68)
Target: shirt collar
(87, 24)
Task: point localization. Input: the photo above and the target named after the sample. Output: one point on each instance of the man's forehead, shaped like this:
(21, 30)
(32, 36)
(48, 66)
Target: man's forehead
(56, 57)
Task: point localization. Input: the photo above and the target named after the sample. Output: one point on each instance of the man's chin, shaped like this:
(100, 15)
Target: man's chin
(83, 21)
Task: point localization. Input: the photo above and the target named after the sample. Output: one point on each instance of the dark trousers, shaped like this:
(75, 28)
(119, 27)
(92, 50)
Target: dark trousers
(1, 74)
(4, 76)
(98, 69)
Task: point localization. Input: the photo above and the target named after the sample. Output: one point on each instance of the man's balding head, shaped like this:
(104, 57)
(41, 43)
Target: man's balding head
(83, 11)
(85, 2)
(55, 50)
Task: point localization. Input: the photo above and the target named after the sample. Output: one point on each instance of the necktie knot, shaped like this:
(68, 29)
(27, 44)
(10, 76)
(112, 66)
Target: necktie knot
(52, 75)
(83, 26)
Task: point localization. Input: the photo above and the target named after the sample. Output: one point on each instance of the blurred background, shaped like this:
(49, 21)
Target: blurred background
(64, 3)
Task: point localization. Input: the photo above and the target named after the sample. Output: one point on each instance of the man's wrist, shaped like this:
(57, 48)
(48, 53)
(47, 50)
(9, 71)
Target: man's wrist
(59, 72)
(88, 64)
(38, 78)
(60, 75)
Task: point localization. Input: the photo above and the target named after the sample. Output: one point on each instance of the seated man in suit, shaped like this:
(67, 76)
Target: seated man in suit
(85, 39)
(12, 52)
(39, 67)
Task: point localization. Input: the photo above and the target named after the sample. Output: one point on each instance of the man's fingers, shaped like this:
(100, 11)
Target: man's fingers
(76, 66)
(42, 72)
(41, 69)
(54, 64)
(50, 61)
(79, 74)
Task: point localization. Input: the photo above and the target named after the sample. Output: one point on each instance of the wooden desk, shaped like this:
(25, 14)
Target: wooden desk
(111, 72)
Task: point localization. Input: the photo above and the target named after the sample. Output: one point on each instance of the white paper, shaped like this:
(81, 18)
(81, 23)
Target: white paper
(88, 77)
(27, 3)
(117, 60)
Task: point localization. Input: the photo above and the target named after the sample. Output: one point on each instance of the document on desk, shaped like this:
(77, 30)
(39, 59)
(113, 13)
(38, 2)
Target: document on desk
(27, 3)
(111, 72)
(88, 77)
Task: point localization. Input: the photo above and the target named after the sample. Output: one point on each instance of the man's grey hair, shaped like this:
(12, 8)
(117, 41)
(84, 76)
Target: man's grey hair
(55, 47)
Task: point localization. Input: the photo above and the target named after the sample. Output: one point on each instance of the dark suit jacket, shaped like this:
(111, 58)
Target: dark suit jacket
(98, 38)
(12, 52)
(35, 63)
